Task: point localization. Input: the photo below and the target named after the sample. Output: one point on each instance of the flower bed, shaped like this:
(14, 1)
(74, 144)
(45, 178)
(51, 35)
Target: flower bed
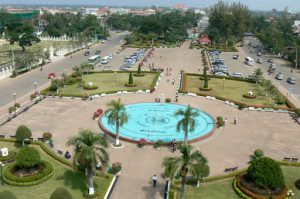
(8, 158)
(10, 178)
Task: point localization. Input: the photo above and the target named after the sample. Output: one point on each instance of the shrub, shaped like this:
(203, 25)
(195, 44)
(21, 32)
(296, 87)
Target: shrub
(158, 144)
(32, 96)
(61, 193)
(11, 109)
(265, 173)
(142, 142)
(53, 87)
(130, 79)
(90, 87)
(47, 136)
(297, 111)
(168, 100)
(14, 74)
(297, 183)
(22, 133)
(17, 105)
(70, 80)
(258, 153)
(28, 157)
(116, 167)
(5, 194)
(249, 96)
(38, 178)
(280, 100)
(220, 121)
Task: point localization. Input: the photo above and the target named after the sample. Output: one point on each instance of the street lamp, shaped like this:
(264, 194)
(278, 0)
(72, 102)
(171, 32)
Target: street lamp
(14, 95)
(35, 83)
(223, 83)
(1, 171)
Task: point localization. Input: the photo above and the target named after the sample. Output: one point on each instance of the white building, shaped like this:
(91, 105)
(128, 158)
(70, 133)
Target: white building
(120, 11)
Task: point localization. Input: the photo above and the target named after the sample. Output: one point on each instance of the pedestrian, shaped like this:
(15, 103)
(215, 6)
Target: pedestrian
(170, 69)
(176, 98)
(154, 180)
(173, 82)
(235, 120)
(225, 121)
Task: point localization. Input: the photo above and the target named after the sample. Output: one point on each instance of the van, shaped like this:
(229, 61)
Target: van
(105, 60)
(249, 61)
(236, 74)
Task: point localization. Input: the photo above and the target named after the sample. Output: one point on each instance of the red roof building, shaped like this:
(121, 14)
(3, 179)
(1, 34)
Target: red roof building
(204, 40)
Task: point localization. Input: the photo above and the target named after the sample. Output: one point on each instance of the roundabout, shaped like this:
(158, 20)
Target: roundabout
(157, 121)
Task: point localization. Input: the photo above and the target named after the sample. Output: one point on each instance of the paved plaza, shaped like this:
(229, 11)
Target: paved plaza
(275, 133)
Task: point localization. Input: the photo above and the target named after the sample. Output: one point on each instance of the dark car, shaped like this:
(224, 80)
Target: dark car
(97, 52)
(86, 53)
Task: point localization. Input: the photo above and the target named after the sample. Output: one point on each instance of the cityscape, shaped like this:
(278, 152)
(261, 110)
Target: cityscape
(149, 99)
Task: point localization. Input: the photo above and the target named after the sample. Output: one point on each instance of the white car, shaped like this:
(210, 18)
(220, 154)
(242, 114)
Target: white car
(236, 74)
(221, 74)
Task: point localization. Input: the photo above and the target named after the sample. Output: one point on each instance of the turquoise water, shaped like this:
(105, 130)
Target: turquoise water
(156, 121)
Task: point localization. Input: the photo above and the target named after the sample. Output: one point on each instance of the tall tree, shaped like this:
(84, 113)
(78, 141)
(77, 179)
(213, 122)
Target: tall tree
(190, 162)
(187, 122)
(90, 151)
(116, 114)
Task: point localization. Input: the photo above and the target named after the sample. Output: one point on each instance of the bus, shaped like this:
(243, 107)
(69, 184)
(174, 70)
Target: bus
(95, 59)
(249, 61)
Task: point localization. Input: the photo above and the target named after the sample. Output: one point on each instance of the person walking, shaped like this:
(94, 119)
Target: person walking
(235, 120)
(154, 180)
(225, 122)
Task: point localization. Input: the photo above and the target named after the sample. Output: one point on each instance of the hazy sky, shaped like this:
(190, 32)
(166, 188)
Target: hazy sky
(253, 4)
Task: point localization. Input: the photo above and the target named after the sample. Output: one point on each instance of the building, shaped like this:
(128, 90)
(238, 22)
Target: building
(119, 11)
(204, 40)
(89, 11)
(180, 7)
(296, 27)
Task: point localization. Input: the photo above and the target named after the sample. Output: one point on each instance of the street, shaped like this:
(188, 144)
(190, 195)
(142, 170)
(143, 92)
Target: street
(24, 84)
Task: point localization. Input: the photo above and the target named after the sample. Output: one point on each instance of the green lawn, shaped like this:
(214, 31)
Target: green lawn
(233, 90)
(223, 189)
(106, 83)
(63, 177)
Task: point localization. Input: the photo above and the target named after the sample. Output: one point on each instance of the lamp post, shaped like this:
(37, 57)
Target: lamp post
(290, 193)
(35, 84)
(1, 171)
(223, 83)
(14, 95)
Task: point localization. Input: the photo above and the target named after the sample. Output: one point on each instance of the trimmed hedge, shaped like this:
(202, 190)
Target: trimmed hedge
(238, 191)
(88, 87)
(13, 180)
(249, 96)
(11, 156)
(130, 85)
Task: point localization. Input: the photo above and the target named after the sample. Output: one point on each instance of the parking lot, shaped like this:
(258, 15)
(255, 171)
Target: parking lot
(282, 66)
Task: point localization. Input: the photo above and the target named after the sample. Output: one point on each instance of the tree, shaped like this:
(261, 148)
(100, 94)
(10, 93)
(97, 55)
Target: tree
(5, 194)
(188, 163)
(265, 173)
(205, 77)
(130, 80)
(258, 75)
(86, 68)
(91, 151)
(61, 193)
(116, 114)
(139, 70)
(23, 133)
(28, 157)
(187, 122)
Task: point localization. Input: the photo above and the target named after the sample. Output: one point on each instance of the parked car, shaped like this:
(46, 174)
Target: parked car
(97, 52)
(260, 60)
(259, 54)
(235, 56)
(237, 74)
(251, 51)
(221, 74)
(270, 60)
(279, 76)
(86, 53)
(272, 66)
(291, 80)
(51, 75)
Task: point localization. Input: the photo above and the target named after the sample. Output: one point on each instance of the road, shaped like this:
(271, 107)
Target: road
(282, 66)
(24, 83)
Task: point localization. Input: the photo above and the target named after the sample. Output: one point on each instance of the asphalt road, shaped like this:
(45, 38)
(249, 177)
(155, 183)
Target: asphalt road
(24, 83)
(282, 66)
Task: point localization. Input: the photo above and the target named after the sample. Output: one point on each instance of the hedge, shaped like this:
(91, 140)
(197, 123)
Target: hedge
(13, 180)
(238, 191)
(11, 155)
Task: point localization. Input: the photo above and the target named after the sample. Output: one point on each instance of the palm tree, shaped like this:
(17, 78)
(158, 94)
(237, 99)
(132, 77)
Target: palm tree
(90, 151)
(187, 123)
(116, 114)
(189, 162)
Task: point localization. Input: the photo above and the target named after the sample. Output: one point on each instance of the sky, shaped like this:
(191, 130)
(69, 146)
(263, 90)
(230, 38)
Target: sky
(293, 5)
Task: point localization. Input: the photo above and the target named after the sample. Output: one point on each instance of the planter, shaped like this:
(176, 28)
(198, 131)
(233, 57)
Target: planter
(205, 89)
(130, 85)
(249, 96)
(139, 75)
